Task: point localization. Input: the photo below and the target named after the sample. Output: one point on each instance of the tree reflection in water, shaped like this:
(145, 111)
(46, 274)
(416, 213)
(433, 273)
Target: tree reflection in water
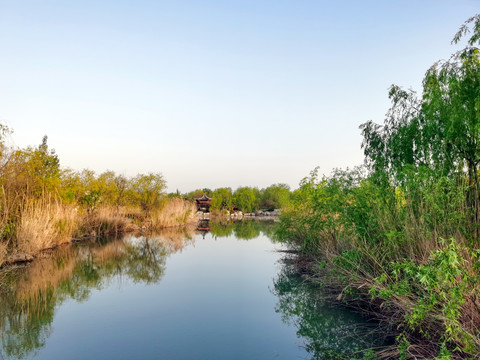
(244, 229)
(328, 331)
(31, 294)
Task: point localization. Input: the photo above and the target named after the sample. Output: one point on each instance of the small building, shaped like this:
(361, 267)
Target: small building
(204, 203)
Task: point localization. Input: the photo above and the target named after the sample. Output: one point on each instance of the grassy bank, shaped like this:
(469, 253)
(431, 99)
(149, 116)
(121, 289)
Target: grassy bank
(400, 236)
(45, 224)
(412, 259)
(43, 205)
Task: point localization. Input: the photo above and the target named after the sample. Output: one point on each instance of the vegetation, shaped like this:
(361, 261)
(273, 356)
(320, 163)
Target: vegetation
(245, 198)
(401, 234)
(43, 205)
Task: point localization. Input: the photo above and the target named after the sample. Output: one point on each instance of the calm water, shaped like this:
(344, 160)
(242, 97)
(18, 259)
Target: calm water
(177, 295)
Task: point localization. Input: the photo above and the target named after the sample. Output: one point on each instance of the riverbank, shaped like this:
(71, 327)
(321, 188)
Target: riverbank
(46, 225)
(240, 215)
(324, 281)
(402, 233)
(376, 247)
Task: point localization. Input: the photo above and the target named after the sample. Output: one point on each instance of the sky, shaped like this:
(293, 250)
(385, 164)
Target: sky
(213, 93)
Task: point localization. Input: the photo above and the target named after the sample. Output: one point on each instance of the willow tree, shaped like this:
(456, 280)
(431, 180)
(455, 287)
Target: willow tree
(440, 131)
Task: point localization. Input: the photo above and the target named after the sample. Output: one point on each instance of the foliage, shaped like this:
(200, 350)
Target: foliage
(245, 199)
(382, 227)
(146, 191)
(275, 197)
(222, 198)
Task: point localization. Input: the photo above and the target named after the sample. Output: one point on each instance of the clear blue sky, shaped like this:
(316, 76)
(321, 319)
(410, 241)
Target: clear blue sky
(213, 93)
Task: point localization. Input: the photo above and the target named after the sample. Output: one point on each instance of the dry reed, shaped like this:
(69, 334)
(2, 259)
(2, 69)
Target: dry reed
(176, 212)
(108, 220)
(3, 252)
(45, 224)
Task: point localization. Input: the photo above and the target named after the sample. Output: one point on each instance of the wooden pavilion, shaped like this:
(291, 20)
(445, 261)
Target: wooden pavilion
(203, 203)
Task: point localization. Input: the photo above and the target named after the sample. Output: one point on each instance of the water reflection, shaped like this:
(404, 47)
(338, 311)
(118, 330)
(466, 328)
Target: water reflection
(194, 301)
(329, 332)
(31, 294)
(244, 230)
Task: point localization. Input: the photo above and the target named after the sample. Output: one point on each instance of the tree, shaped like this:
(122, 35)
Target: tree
(244, 199)
(439, 132)
(222, 199)
(147, 190)
(36, 169)
(112, 187)
(275, 196)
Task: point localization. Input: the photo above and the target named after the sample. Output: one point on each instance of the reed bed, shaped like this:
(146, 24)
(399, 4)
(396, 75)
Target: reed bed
(108, 220)
(176, 212)
(45, 224)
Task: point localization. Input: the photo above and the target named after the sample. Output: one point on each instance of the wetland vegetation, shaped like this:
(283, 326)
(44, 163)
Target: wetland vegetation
(400, 236)
(43, 205)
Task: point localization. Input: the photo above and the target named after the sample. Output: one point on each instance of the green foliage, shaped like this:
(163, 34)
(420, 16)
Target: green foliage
(437, 288)
(222, 199)
(464, 29)
(384, 226)
(90, 199)
(275, 197)
(248, 199)
(192, 195)
(437, 134)
(36, 170)
(147, 190)
(245, 199)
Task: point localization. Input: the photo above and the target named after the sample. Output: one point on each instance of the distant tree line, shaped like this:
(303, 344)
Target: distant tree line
(43, 204)
(245, 198)
(35, 172)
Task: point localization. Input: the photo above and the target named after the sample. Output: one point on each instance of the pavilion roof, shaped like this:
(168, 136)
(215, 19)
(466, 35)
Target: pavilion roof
(203, 198)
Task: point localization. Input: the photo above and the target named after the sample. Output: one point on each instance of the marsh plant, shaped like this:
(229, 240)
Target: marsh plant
(401, 234)
(43, 205)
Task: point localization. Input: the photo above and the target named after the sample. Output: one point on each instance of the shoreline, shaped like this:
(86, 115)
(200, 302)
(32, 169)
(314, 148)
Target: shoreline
(129, 227)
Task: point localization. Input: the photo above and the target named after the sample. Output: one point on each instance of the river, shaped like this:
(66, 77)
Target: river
(179, 294)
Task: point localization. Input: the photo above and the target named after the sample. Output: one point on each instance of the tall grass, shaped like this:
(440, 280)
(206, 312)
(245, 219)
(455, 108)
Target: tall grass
(45, 224)
(409, 248)
(176, 212)
(3, 252)
(108, 220)
(114, 220)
